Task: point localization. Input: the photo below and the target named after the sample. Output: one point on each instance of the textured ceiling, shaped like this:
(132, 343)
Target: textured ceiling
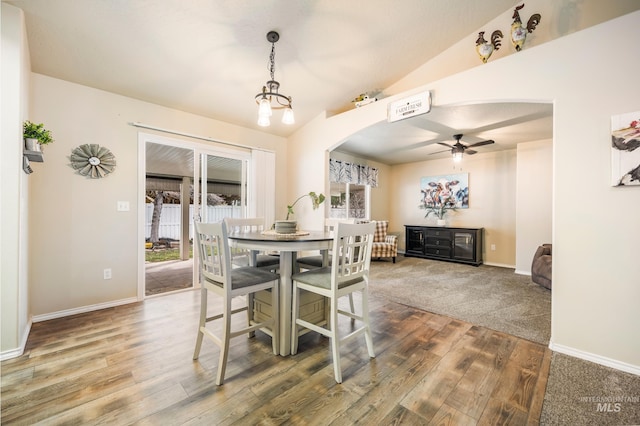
(210, 57)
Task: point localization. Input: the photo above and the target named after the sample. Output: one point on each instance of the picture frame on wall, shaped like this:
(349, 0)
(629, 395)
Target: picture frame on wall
(452, 190)
(625, 149)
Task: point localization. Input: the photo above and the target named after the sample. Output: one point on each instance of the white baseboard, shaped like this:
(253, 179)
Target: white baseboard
(598, 359)
(83, 309)
(499, 265)
(527, 273)
(15, 353)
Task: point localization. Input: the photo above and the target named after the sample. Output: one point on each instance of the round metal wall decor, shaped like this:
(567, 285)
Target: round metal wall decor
(93, 161)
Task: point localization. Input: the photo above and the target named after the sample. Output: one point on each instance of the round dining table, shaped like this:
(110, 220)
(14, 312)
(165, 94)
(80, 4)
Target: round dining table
(287, 245)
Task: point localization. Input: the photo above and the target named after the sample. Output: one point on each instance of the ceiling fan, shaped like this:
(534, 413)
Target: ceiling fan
(459, 148)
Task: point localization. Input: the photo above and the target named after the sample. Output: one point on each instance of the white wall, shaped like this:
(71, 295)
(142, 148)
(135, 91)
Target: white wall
(14, 183)
(76, 231)
(589, 76)
(533, 201)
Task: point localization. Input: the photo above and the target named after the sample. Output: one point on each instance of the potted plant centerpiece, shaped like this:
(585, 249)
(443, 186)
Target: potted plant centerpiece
(289, 226)
(439, 208)
(35, 135)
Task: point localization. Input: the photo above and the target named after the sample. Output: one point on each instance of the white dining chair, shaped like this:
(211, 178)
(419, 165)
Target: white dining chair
(320, 260)
(348, 273)
(243, 257)
(323, 259)
(218, 277)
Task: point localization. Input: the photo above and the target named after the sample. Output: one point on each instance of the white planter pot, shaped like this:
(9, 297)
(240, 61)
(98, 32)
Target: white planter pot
(31, 144)
(441, 222)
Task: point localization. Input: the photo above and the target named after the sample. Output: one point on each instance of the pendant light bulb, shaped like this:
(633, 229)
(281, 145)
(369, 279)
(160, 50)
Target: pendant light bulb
(287, 117)
(264, 109)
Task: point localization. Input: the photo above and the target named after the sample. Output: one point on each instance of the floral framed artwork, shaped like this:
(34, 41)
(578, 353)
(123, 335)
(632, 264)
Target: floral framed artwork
(447, 191)
(625, 149)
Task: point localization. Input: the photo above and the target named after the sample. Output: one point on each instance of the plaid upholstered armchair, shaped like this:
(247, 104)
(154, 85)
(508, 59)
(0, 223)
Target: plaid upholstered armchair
(384, 245)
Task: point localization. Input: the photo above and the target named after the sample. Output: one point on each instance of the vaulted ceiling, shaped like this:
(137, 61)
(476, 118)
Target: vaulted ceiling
(210, 57)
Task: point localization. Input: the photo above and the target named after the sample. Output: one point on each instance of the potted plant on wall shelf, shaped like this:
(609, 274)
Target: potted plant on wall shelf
(35, 135)
(439, 209)
(288, 226)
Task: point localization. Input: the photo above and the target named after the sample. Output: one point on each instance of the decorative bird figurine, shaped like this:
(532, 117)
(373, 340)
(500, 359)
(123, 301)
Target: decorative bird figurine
(484, 48)
(518, 31)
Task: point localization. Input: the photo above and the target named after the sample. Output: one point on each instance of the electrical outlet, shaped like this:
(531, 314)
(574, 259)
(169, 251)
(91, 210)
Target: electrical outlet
(493, 247)
(107, 274)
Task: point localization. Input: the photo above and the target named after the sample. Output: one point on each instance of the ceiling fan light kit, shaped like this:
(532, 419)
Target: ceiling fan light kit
(518, 33)
(459, 149)
(270, 99)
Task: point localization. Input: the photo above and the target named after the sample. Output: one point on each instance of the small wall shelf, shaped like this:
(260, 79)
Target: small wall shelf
(28, 156)
(36, 156)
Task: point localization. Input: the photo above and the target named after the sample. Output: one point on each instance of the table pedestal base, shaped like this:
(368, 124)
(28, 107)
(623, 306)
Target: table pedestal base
(312, 308)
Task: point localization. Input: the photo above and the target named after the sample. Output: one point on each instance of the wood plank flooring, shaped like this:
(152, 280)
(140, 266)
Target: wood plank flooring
(133, 364)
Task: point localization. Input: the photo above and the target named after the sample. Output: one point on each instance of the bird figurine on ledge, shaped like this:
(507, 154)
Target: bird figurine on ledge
(518, 31)
(484, 48)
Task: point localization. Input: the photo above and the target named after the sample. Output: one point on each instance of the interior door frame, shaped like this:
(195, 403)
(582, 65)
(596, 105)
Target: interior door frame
(198, 149)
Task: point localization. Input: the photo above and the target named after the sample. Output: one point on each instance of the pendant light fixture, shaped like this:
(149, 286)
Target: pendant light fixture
(269, 99)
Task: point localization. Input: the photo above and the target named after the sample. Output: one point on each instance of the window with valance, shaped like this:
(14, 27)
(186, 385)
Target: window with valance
(345, 172)
(350, 189)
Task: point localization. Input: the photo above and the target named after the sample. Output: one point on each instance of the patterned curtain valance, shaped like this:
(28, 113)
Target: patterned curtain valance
(345, 172)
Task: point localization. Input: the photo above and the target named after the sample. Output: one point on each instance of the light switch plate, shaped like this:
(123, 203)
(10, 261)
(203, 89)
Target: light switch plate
(123, 206)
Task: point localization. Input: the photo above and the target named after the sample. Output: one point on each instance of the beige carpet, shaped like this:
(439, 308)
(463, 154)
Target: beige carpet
(493, 297)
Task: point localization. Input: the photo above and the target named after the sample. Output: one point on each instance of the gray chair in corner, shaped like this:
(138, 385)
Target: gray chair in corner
(541, 266)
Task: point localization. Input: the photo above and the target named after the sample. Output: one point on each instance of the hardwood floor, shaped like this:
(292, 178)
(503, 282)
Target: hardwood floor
(133, 364)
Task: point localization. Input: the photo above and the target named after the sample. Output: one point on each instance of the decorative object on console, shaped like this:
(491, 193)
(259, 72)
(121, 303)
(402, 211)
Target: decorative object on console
(440, 194)
(485, 48)
(625, 149)
(518, 31)
(270, 99)
(93, 161)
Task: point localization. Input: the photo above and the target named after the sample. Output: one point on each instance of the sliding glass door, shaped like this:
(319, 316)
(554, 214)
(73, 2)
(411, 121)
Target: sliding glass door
(185, 182)
(221, 187)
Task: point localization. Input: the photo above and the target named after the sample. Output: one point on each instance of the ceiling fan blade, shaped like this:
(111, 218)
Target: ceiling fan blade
(445, 144)
(470, 151)
(488, 142)
(438, 152)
